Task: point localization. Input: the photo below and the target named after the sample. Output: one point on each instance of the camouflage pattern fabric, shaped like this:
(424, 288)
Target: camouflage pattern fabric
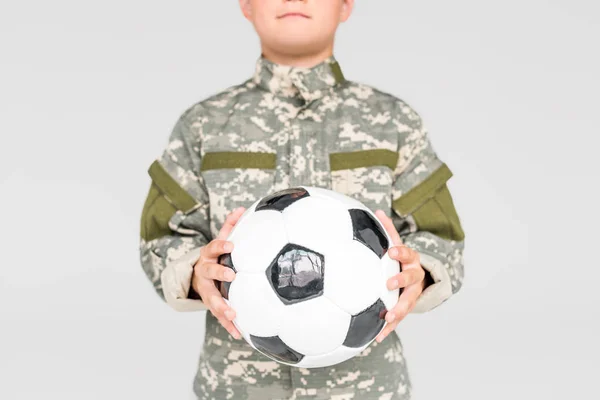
(283, 127)
(230, 369)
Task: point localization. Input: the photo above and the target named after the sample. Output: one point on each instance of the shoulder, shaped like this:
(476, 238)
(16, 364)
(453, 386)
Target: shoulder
(216, 105)
(382, 102)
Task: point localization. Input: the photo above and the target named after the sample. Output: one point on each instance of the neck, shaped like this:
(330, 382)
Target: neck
(297, 60)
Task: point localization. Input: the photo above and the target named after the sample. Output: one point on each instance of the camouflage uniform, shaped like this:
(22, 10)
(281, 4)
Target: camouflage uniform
(289, 126)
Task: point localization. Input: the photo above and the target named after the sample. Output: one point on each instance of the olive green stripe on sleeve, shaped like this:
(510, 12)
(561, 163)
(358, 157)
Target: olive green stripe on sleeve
(171, 189)
(416, 196)
(363, 158)
(238, 159)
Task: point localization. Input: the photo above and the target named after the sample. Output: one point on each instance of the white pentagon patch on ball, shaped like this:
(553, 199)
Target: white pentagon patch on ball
(312, 267)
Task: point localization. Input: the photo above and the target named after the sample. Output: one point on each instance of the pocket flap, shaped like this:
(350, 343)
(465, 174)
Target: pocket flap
(363, 159)
(238, 159)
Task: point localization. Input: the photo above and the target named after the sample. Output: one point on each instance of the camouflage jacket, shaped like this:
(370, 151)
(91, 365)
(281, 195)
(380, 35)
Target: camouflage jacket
(283, 127)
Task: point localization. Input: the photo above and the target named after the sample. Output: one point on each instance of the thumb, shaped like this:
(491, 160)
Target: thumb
(230, 222)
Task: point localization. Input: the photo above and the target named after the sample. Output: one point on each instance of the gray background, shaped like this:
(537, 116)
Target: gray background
(90, 91)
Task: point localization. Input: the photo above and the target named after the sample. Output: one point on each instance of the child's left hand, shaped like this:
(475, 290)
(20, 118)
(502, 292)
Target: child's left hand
(411, 278)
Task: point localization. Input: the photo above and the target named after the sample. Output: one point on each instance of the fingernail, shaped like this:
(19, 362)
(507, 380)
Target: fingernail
(229, 275)
(394, 285)
(227, 247)
(233, 333)
(394, 252)
(401, 252)
(390, 317)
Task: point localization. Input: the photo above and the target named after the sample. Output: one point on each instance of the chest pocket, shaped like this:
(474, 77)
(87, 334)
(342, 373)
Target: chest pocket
(235, 179)
(365, 175)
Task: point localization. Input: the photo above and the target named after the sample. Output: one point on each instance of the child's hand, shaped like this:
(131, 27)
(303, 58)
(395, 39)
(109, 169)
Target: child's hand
(207, 270)
(411, 278)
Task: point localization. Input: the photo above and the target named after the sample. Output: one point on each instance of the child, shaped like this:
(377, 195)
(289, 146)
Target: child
(297, 121)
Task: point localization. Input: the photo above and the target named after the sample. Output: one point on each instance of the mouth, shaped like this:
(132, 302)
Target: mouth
(293, 15)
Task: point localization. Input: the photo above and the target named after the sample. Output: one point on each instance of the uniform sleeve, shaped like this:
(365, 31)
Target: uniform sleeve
(424, 212)
(174, 221)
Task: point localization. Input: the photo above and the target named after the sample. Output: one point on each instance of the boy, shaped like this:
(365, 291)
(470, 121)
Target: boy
(297, 121)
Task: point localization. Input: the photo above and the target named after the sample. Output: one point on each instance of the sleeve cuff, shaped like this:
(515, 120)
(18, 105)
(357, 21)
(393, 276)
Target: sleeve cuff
(176, 280)
(438, 292)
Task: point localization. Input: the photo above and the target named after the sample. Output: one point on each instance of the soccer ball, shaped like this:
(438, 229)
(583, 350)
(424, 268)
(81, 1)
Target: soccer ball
(311, 270)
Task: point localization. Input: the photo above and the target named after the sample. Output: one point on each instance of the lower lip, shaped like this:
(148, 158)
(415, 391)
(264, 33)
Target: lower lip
(294, 15)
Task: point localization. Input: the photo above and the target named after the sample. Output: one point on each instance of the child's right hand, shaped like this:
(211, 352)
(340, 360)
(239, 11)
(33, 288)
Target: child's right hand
(207, 270)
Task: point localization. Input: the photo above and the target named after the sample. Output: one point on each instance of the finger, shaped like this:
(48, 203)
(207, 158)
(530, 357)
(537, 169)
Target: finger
(404, 254)
(405, 304)
(212, 298)
(217, 272)
(215, 248)
(230, 327)
(389, 227)
(224, 314)
(219, 308)
(389, 328)
(230, 222)
(406, 278)
(222, 311)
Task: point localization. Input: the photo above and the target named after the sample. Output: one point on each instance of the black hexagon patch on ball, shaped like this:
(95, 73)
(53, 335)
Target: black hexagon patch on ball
(297, 274)
(274, 347)
(369, 232)
(365, 325)
(282, 199)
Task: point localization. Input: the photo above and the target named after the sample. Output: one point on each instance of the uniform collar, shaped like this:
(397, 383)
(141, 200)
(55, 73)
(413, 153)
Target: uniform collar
(300, 82)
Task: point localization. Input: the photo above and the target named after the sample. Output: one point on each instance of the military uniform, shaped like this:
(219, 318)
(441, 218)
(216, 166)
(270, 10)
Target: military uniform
(284, 127)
